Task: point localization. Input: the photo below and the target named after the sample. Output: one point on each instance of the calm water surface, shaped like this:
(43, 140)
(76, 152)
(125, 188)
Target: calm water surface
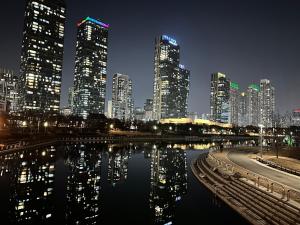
(108, 184)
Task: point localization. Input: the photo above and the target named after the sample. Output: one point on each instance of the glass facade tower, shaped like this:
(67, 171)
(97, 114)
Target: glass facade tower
(171, 81)
(122, 102)
(90, 67)
(219, 98)
(42, 56)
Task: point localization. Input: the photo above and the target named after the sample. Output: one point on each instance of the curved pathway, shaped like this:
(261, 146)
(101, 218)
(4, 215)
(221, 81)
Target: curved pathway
(241, 158)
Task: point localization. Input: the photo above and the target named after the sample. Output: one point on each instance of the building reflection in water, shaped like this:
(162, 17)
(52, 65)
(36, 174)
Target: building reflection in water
(83, 185)
(168, 181)
(118, 157)
(31, 183)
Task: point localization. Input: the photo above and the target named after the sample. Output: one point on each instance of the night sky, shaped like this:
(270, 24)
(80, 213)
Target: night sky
(245, 39)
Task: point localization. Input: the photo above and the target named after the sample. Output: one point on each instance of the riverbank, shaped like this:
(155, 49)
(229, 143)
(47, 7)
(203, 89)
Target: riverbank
(257, 198)
(44, 141)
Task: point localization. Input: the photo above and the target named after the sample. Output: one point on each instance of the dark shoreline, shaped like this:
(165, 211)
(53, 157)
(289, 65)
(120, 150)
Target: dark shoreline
(27, 144)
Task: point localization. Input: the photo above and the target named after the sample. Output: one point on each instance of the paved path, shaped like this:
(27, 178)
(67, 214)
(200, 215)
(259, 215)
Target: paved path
(242, 159)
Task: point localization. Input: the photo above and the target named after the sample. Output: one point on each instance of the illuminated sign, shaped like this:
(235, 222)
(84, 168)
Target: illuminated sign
(170, 40)
(93, 21)
(254, 86)
(234, 85)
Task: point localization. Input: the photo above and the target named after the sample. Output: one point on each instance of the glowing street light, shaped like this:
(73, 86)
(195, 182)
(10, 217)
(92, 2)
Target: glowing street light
(111, 126)
(45, 126)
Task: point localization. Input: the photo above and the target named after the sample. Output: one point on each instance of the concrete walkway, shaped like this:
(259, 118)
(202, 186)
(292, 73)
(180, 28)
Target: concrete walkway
(241, 158)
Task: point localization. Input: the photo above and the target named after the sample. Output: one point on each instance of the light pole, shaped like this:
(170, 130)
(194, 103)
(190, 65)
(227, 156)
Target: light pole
(261, 126)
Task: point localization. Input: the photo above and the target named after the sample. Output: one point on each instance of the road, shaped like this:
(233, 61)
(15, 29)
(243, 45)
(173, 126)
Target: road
(242, 159)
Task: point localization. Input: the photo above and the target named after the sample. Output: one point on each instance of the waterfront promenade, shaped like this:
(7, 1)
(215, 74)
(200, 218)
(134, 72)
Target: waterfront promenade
(260, 194)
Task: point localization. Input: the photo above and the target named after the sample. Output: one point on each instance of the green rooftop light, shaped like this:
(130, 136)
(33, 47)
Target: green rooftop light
(234, 85)
(254, 86)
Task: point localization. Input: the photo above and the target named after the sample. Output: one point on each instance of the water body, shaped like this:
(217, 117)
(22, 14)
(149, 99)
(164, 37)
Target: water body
(108, 184)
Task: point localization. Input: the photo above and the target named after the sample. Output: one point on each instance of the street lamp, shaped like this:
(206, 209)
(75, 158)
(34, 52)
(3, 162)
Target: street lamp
(261, 126)
(170, 128)
(46, 125)
(111, 126)
(24, 124)
(155, 127)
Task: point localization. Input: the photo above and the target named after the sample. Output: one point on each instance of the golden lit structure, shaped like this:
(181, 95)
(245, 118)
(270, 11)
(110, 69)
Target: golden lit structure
(196, 122)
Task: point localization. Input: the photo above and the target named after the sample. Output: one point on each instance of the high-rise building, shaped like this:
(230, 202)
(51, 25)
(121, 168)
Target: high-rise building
(139, 113)
(234, 103)
(266, 103)
(90, 67)
(252, 104)
(8, 91)
(148, 110)
(242, 107)
(71, 98)
(184, 90)
(109, 109)
(296, 118)
(219, 98)
(42, 56)
(122, 102)
(171, 81)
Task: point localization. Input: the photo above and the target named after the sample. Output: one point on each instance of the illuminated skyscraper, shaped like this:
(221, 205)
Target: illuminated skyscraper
(234, 103)
(90, 67)
(266, 103)
(42, 55)
(219, 98)
(171, 81)
(71, 98)
(252, 104)
(242, 110)
(8, 91)
(148, 110)
(183, 91)
(122, 102)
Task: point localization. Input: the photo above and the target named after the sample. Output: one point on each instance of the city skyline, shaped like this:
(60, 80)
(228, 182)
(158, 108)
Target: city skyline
(251, 54)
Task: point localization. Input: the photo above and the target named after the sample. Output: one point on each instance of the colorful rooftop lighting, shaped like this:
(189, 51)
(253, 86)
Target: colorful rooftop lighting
(254, 86)
(234, 85)
(93, 21)
(170, 40)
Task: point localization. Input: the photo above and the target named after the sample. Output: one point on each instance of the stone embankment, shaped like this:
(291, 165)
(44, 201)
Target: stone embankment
(256, 198)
